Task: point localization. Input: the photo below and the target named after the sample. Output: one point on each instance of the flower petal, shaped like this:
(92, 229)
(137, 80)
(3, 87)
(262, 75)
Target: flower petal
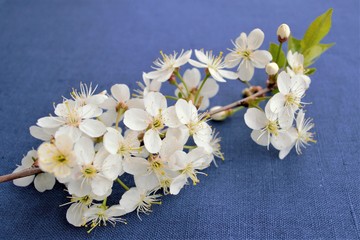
(50, 122)
(192, 78)
(136, 165)
(120, 92)
(183, 59)
(245, 70)
(232, 59)
(111, 141)
(277, 102)
(228, 74)
(216, 75)
(284, 82)
(44, 181)
(136, 119)
(242, 40)
(197, 64)
(39, 133)
(261, 138)
(177, 184)
(260, 58)
(74, 214)
(255, 119)
(93, 128)
(170, 117)
(84, 150)
(25, 181)
(152, 141)
(154, 103)
(255, 39)
(112, 167)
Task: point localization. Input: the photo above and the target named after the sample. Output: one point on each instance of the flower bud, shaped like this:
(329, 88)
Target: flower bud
(283, 32)
(220, 116)
(172, 79)
(272, 69)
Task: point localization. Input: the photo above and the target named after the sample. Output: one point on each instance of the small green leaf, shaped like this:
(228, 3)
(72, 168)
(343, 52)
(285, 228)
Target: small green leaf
(274, 91)
(273, 49)
(317, 30)
(294, 44)
(256, 101)
(314, 52)
(310, 71)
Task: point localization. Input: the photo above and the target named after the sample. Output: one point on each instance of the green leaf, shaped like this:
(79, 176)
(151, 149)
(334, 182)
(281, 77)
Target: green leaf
(314, 52)
(256, 101)
(317, 30)
(294, 44)
(273, 49)
(310, 71)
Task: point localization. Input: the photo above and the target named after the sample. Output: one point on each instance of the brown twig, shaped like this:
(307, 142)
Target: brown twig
(20, 174)
(240, 102)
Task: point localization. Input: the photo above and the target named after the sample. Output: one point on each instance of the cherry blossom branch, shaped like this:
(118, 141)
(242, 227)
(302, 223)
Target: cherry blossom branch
(239, 102)
(20, 174)
(36, 170)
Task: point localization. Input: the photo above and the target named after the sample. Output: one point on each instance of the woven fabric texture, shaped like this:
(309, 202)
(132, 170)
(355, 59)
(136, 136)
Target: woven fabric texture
(47, 47)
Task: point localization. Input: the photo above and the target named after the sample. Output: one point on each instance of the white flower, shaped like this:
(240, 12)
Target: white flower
(74, 120)
(246, 54)
(115, 143)
(296, 63)
(148, 174)
(188, 165)
(139, 199)
(196, 125)
(87, 95)
(99, 215)
(58, 157)
(165, 67)
(265, 125)
(298, 137)
(42, 181)
(283, 32)
(192, 79)
(75, 213)
(153, 120)
(272, 68)
(148, 86)
(291, 91)
(96, 171)
(214, 64)
(117, 104)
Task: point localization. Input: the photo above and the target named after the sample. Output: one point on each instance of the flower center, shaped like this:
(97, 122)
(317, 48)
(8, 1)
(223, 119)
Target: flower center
(291, 99)
(157, 166)
(60, 159)
(89, 171)
(272, 127)
(157, 123)
(299, 69)
(190, 172)
(245, 54)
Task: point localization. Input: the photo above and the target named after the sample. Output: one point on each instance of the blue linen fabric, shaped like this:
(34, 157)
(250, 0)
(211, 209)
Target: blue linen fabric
(47, 47)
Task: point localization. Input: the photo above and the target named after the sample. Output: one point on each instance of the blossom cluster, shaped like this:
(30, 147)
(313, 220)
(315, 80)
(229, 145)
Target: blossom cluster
(275, 124)
(94, 139)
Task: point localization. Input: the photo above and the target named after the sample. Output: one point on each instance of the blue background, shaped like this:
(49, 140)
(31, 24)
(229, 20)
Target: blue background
(47, 47)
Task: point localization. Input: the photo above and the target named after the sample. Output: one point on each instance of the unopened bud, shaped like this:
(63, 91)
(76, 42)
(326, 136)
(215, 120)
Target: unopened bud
(172, 79)
(220, 116)
(272, 69)
(283, 32)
